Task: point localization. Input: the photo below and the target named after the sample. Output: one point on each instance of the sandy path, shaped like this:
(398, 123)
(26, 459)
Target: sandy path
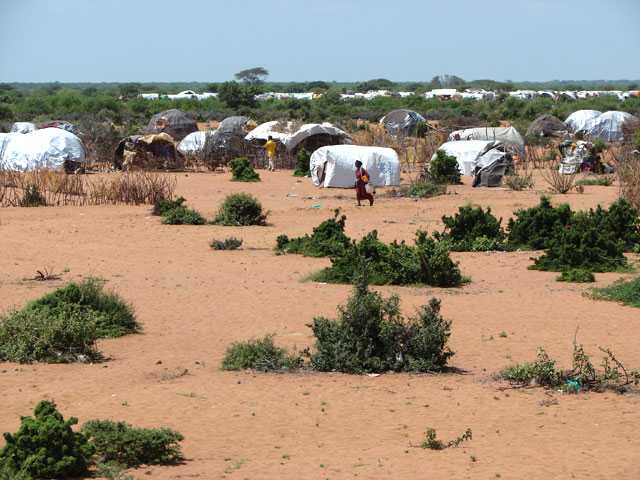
(193, 302)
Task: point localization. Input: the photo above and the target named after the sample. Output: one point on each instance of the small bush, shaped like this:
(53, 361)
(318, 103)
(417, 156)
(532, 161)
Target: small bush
(425, 189)
(576, 275)
(626, 292)
(370, 335)
(427, 262)
(45, 446)
(240, 209)
(130, 446)
(303, 168)
(542, 372)
(261, 354)
(558, 182)
(519, 182)
(183, 216)
(621, 220)
(432, 442)
(444, 169)
(327, 239)
(472, 229)
(604, 181)
(230, 243)
(243, 171)
(32, 197)
(534, 228)
(163, 205)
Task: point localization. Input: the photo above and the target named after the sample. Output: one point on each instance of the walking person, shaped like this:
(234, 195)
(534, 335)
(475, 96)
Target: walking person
(270, 147)
(362, 179)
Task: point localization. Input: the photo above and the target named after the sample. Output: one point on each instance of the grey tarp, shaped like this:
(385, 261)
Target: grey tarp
(509, 136)
(174, 122)
(546, 126)
(402, 121)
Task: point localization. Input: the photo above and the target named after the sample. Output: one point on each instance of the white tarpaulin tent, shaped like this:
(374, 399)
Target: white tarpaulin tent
(608, 126)
(581, 120)
(194, 142)
(23, 127)
(509, 136)
(45, 148)
(472, 153)
(291, 135)
(334, 166)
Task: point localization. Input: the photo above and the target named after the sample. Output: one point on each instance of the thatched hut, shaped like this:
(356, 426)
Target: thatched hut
(174, 122)
(547, 126)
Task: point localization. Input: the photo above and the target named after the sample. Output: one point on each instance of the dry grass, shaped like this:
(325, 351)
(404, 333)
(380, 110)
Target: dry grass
(60, 189)
(628, 171)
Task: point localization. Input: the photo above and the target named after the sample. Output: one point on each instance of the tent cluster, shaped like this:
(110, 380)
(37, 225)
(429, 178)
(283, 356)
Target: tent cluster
(607, 126)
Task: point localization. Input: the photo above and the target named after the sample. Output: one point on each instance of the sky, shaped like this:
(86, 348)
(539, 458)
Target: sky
(302, 40)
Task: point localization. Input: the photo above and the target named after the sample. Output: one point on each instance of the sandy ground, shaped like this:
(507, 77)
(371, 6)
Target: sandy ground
(193, 302)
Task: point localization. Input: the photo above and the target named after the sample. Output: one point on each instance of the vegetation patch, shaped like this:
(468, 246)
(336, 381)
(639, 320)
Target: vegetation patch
(327, 239)
(229, 243)
(626, 292)
(534, 228)
(427, 262)
(576, 275)
(432, 442)
(472, 229)
(130, 446)
(519, 182)
(444, 169)
(424, 188)
(175, 212)
(303, 164)
(240, 209)
(242, 170)
(603, 181)
(261, 354)
(370, 335)
(32, 197)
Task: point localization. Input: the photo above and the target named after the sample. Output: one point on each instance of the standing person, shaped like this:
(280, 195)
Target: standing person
(270, 147)
(362, 179)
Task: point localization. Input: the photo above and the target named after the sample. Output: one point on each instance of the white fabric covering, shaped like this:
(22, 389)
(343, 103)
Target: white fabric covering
(45, 148)
(581, 120)
(509, 136)
(194, 142)
(289, 136)
(467, 152)
(23, 127)
(608, 126)
(334, 166)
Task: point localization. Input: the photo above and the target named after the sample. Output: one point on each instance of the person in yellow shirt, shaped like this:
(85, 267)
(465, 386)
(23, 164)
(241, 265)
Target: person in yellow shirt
(270, 147)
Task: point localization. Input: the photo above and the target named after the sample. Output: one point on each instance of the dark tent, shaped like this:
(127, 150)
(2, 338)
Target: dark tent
(546, 126)
(402, 122)
(174, 122)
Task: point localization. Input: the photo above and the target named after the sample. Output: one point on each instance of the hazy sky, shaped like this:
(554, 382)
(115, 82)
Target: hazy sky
(349, 40)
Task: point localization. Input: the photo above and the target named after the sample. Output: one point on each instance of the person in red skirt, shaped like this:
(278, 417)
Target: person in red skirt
(362, 179)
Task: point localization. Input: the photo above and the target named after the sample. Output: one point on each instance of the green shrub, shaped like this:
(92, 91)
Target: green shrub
(543, 372)
(260, 354)
(242, 170)
(444, 169)
(45, 446)
(32, 197)
(240, 209)
(130, 446)
(621, 220)
(626, 292)
(327, 239)
(164, 205)
(432, 442)
(427, 262)
(183, 216)
(230, 243)
(472, 229)
(112, 471)
(425, 188)
(604, 181)
(370, 335)
(534, 228)
(576, 275)
(302, 164)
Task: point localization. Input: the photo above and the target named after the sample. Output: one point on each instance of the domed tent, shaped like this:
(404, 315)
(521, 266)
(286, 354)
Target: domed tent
(472, 154)
(609, 126)
(174, 122)
(48, 148)
(580, 120)
(509, 136)
(546, 126)
(333, 165)
(194, 142)
(402, 121)
(292, 135)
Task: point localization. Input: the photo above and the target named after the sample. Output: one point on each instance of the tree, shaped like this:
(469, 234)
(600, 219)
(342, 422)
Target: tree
(129, 90)
(446, 81)
(235, 95)
(252, 76)
(375, 84)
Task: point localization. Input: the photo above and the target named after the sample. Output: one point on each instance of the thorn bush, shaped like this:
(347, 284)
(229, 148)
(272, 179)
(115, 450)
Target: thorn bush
(175, 212)
(229, 243)
(327, 239)
(432, 442)
(243, 171)
(534, 228)
(303, 159)
(32, 197)
(576, 275)
(472, 229)
(444, 169)
(240, 209)
(261, 354)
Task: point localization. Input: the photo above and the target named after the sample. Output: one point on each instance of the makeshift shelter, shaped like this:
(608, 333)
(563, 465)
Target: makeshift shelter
(194, 142)
(148, 152)
(609, 126)
(334, 166)
(580, 120)
(228, 141)
(173, 122)
(547, 126)
(23, 127)
(61, 124)
(476, 157)
(402, 122)
(509, 136)
(310, 136)
(48, 148)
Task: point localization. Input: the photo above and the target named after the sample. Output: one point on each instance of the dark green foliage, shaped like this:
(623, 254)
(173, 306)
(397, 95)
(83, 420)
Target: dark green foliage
(432, 442)
(425, 188)
(576, 275)
(45, 447)
(32, 197)
(603, 181)
(174, 212)
(242, 170)
(163, 205)
(543, 372)
(370, 335)
(534, 228)
(472, 229)
(444, 169)
(621, 220)
(427, 262)
(130, 446)
(260, 354)
(240, 209)
(626, 292)
(230, 243)
(302, 164)
(327, 239)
